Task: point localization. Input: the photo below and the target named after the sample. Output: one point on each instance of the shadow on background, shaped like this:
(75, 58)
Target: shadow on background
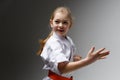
(22, 24)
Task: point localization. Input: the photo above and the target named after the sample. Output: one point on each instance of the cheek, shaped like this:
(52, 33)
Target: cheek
(53, 25)
(67, 28)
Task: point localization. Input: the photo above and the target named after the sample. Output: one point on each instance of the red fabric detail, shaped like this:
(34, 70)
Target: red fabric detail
(55, 76)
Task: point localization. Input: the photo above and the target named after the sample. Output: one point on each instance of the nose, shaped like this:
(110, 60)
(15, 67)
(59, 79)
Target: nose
(60, 25)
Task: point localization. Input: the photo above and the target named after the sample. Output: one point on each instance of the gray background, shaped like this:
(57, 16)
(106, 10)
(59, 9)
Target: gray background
(24, 22)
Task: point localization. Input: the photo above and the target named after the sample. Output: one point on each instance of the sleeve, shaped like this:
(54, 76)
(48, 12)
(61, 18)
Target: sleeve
(56, 55)
(73, 45)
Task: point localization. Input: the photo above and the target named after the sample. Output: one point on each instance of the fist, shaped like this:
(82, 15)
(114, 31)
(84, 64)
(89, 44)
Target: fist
(77, 58)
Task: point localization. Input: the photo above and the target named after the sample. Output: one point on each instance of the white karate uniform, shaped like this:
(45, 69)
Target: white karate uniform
(57, 49)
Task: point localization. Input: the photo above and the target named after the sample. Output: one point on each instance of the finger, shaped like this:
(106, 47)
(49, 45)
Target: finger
(105, 53)
(91, 50)
(100, 50)
(103, 57)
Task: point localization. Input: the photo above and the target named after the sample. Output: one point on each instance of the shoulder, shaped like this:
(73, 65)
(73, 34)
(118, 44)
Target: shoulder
(53, 43)
(70, 39)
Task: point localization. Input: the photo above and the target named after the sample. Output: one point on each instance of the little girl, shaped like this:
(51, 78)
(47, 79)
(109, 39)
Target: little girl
(57, 50)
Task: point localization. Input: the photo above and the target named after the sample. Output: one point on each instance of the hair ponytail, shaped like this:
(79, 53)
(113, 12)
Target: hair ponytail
(42, 43)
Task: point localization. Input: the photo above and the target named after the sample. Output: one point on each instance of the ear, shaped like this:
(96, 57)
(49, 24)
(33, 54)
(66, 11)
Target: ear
(51, 23)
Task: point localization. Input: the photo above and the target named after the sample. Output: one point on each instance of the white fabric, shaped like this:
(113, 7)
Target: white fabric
(57, 49)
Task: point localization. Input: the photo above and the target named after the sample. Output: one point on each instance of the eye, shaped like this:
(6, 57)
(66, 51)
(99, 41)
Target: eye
(65, 22)
(57, 22)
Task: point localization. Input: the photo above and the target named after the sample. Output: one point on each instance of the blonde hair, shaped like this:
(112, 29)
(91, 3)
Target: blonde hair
(58, 9)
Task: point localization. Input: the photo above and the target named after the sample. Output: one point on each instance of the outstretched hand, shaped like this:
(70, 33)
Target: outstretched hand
(96, 55)
(91, 57)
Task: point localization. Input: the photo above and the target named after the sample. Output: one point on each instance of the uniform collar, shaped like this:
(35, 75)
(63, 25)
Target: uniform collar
(59, 37)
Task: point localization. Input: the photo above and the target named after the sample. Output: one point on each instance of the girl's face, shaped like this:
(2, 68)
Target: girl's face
(60, 23)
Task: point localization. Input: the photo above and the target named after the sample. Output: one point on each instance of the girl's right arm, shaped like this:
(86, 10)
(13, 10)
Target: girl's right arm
(90, 58)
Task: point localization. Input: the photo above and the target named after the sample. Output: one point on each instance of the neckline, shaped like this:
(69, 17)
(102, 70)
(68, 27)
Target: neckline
(59, 37)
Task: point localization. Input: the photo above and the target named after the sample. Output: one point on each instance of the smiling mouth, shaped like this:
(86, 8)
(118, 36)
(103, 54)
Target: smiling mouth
(61, 30)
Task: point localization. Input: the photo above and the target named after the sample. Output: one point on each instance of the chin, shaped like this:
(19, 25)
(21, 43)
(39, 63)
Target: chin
(61, 34)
